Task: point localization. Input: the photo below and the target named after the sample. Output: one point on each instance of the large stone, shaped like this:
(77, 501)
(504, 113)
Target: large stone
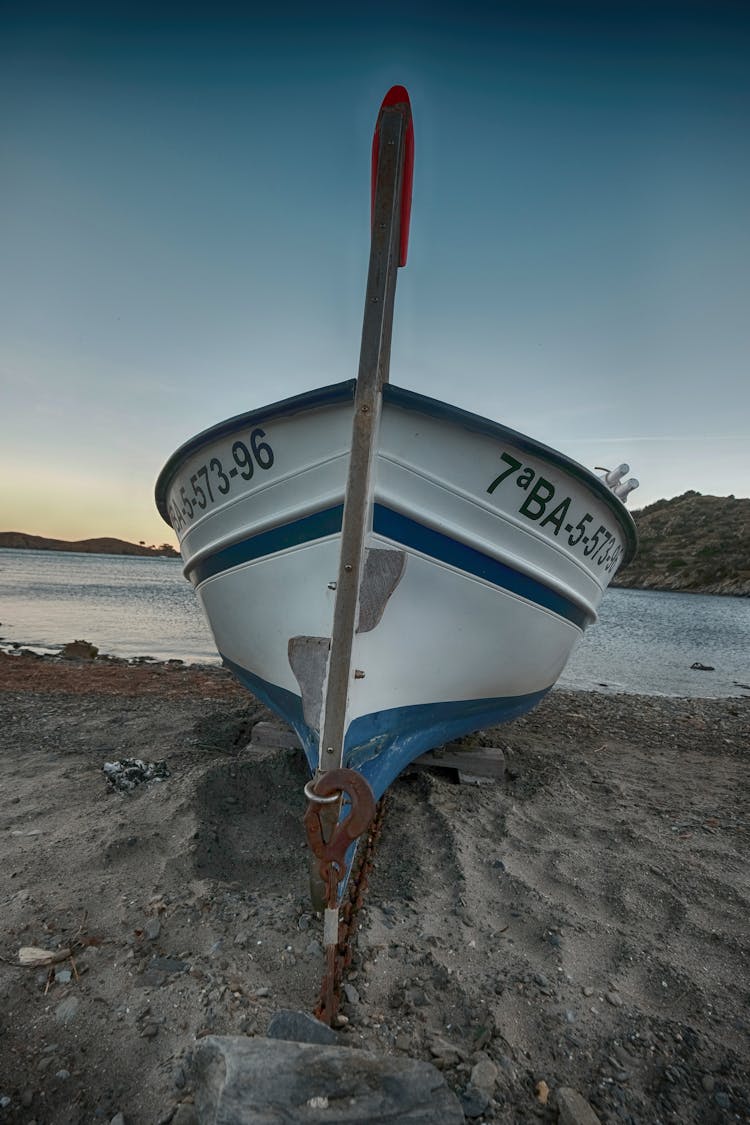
(79, 650)
(299, 1027)
(574, 1109)
(242, 1081)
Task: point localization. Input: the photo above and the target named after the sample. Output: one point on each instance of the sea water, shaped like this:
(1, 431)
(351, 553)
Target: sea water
(645, 641)
(125, 605)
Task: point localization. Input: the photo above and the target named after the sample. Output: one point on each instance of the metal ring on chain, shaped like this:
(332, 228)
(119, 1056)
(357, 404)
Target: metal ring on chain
(313, 796)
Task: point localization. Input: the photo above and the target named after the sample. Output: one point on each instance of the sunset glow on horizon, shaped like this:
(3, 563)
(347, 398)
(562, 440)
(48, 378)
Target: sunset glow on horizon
(185, 236)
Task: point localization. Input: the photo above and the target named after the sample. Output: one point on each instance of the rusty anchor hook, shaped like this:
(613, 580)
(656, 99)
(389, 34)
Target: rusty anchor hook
(321, 821)
(331, 852)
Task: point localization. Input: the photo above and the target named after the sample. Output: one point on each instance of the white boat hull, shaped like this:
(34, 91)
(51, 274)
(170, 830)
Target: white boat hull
(488, 556)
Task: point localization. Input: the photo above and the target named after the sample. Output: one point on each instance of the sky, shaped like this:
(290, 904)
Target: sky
(184, 213)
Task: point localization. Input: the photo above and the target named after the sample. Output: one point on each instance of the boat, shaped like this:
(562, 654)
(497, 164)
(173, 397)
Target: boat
(385, 571)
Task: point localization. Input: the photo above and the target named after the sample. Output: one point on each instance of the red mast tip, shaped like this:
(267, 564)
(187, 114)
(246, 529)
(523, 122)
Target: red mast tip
(398, 96)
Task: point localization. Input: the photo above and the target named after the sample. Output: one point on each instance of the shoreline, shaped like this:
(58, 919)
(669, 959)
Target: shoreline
(26, 671)
(709, 591)
(14, 541)
(38, 660)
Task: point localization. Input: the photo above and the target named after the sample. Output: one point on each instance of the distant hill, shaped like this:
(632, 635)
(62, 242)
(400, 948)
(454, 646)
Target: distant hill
(692, 542)
(19, 540)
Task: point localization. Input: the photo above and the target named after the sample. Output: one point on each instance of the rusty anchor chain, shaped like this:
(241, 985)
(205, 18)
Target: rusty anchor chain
(338, 925)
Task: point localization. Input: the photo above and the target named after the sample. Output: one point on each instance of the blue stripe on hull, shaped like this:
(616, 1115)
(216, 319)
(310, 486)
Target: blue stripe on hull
(382, 744)
(319, 525)
(404, 531)
(442, 547)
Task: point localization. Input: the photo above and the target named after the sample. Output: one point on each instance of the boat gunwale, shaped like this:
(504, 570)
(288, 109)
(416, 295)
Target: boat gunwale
(407, 400)
(436, 408)
(308, 400)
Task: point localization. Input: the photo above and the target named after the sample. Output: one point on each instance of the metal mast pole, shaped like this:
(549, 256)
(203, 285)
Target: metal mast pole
(390, 215)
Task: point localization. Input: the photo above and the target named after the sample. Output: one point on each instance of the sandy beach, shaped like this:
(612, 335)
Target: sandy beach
(583, 924)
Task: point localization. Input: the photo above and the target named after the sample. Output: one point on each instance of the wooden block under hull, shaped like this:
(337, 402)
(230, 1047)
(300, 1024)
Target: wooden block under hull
(475, 762)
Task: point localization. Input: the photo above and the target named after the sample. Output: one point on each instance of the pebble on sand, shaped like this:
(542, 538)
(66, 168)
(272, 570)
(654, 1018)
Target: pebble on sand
(66, 1010)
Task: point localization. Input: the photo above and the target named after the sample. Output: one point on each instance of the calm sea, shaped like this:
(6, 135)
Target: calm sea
(644, 641)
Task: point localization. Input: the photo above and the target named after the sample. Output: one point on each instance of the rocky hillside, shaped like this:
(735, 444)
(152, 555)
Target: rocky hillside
(692, 542)
(19, 540)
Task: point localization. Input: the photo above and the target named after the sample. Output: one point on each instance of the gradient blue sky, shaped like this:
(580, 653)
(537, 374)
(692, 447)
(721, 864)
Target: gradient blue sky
(184, 233)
